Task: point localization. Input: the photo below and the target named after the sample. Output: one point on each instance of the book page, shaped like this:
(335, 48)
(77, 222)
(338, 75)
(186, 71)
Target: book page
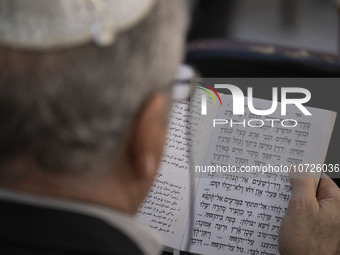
(166, 208)
(241, 213)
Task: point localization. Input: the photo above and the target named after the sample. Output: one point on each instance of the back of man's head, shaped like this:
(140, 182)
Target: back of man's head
(68, 109)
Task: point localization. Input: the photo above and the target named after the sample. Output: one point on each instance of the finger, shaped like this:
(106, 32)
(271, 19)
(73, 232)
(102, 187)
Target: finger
(327, 188)
(303, 198)
(304, 185)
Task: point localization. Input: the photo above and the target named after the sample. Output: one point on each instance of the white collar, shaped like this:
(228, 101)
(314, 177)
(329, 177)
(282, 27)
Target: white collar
(148, 242)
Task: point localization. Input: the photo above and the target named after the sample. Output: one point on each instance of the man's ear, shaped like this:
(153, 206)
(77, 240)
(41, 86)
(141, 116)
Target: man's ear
(148, 136)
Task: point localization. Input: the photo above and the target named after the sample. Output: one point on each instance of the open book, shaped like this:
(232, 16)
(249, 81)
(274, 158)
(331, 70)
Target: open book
(228, 213)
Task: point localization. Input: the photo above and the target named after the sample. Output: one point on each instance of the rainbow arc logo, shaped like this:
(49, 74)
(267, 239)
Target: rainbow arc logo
(208, 89)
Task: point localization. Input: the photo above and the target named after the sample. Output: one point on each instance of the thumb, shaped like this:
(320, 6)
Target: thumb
(303, 197)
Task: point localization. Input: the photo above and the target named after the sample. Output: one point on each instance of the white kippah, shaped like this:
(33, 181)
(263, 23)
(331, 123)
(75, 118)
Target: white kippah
(51, 24)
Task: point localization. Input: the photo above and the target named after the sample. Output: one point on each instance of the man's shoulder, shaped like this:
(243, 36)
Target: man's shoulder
(28, 229)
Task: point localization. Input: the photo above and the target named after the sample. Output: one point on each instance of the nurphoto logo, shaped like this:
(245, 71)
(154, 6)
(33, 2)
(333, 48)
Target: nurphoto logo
(239, 99)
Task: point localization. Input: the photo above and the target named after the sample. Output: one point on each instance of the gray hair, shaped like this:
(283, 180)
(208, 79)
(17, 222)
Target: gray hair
(70, 109)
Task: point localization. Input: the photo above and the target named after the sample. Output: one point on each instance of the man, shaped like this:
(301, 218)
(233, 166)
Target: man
(83, 111)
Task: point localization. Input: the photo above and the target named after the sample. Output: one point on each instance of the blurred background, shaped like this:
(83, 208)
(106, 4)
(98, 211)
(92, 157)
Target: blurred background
(309, 24)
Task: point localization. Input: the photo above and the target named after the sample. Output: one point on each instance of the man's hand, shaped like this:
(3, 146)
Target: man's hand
(312, 224)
